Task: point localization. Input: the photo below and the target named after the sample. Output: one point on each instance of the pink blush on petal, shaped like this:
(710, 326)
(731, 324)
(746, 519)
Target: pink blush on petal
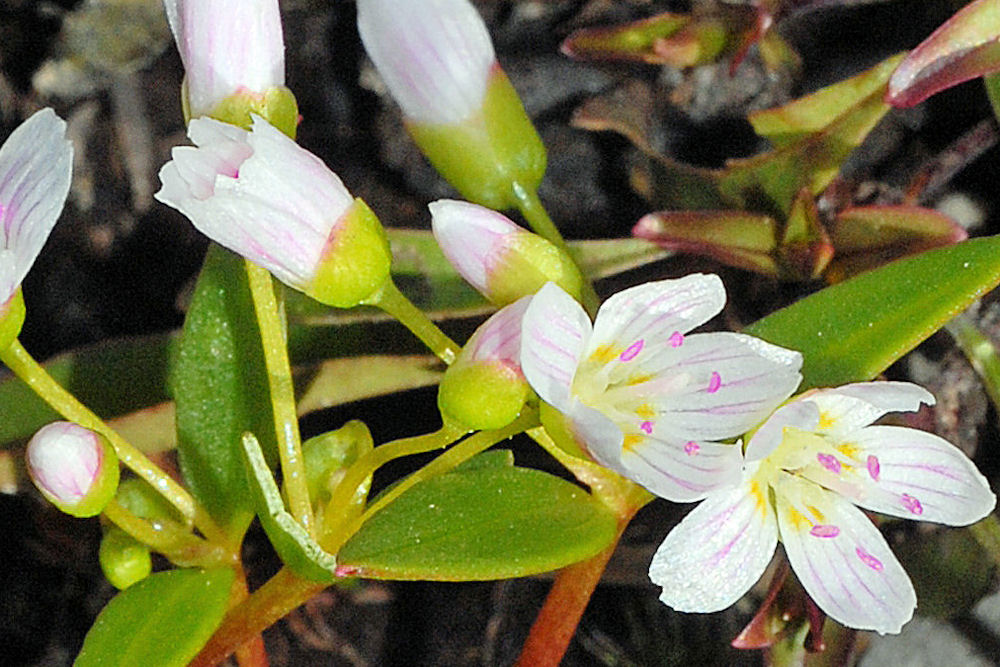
(873, 467)
(824, 531)
(869, 560)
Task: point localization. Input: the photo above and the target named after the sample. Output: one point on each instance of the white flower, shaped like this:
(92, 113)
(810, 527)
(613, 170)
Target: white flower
(809, 467)
(645, 398)
(36, 165)
(435, 56)
(263, 196)
(227, 46)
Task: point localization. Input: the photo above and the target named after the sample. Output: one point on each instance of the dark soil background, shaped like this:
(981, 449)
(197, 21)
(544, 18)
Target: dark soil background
(119, 264)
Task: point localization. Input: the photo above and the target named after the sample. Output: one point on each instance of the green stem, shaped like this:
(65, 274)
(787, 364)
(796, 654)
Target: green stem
(345, 494)
(992, 83)
(534, 212)
(179, 545)
(395, 303)
(279, 378)
(463, 451)
(22, 364)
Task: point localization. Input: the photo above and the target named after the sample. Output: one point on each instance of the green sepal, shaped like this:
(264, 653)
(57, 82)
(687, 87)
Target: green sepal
(277, 106)
(219, 384)
(356, 260)
(480, 522)
(482, 395)
(485, 155)
(525, 264)
(124, 560)
(296, 548)
(11, 319)
(163, 620)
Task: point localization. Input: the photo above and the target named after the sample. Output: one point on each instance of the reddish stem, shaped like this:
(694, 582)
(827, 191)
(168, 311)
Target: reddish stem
(556, 622)
(243, 623)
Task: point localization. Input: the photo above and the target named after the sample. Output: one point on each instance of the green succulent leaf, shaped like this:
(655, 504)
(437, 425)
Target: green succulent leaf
(220, 389)
(854, 330)
(480, 521)
(163, 620)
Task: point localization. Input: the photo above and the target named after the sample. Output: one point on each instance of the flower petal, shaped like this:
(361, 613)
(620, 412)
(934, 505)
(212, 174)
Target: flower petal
(853, 406)
(36, 165)
(554, 333)
(717, 552)
(657, 313)
(844, 562)
(598, 435)
(683, 471)
(733, 382)
(799, 413)
(917, 475)
(434, 55)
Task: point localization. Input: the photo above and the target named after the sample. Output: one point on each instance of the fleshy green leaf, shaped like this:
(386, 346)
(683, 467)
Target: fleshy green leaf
(297, 549)
(966, 46)
(163, 620)
(811, 113)
(220, 389)
(854, 330)
(480, 522)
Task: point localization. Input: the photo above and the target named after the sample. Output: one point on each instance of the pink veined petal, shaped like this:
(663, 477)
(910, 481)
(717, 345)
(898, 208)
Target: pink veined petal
(554, 334)
(598, 435)
(919, 476)
(470, 237)
(499, 337)
(733, 382)
(683, 471)
(798, 413)
(845, 564)
(657, 313)
(852, 406)
(435, 56)
(36, 164)
(717, 552)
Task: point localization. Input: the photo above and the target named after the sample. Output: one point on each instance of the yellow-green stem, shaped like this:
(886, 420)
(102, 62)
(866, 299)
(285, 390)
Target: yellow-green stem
(461, 452)
(279, 378)
(534, 212)
(23, 365)
(395, 303)
(343, 496)
(181, 546)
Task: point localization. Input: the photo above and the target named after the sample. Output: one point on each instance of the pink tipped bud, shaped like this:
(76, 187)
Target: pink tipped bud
(485, 388)
(228, 47)
(75, 468)
(500, 259)
(263, 196)
(435, 56)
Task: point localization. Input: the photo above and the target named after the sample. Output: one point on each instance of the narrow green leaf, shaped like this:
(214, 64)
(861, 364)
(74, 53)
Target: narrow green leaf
(480, 522)
(811, 113)
(219, 385)
(854, 330)
(292, 542)
(163, 620)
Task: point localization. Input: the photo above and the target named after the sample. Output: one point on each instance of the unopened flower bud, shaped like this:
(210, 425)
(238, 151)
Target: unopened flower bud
(75, 468)
(234, 60)
(500, 259)
(124, 560)
(327, 455)
(266, 198)
(484, 388)
(437, 60)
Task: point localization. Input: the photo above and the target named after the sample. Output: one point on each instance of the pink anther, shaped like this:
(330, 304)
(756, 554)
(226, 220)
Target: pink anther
(632, 351)
(714, 382)
(830, 462)
(912, 504)
(676, 339)
(873, 467)
(647, 427)
(869, 560)
(691, 448)
(824, 531)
